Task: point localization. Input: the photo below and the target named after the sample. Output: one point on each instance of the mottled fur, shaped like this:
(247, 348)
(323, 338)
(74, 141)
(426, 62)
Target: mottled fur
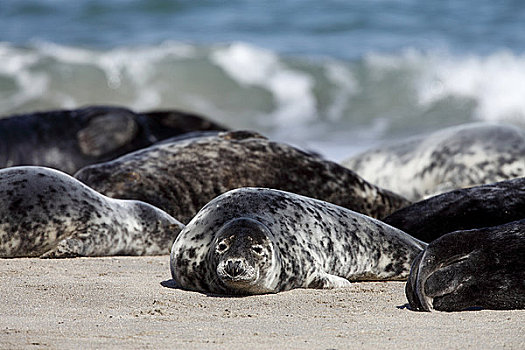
(48, 213)
(458, 157)
(182, 176)
(255, 240)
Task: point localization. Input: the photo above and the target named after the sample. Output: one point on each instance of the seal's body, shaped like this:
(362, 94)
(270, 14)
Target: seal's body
(463, 209)
(254, 240)
(70, 139)
(182, 176)
(458, 157)
(480, 268)
(48, 213)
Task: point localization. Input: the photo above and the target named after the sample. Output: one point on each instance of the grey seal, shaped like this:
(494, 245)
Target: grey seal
(257, 240)
(48, 213)
(462, 209)
(71, 139)
(182, 176)
(452, 158)
(479, 268)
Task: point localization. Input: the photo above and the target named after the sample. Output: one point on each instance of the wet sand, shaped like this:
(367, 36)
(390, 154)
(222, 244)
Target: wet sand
(130, 302)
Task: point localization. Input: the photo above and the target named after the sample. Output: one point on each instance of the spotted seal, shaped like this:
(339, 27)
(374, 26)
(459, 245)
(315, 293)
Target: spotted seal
(257, 240)
(182, 176)
(48, 213)
(457, 157)
(479, 268)
(468, 208)
(70, 139)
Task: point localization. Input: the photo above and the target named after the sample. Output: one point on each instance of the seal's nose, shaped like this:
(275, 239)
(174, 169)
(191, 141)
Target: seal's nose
(234, 268)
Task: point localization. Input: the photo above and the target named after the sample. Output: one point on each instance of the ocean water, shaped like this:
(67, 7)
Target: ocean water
(332, 76)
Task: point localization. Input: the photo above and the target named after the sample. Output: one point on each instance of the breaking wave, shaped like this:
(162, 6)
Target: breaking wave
(244, 86)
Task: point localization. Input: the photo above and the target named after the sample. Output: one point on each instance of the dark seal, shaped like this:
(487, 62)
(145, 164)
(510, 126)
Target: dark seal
(256, 240)
(480, 268)
(182, 176)
(48, 213)
(469, 208)
(71, 139)
(458, 157)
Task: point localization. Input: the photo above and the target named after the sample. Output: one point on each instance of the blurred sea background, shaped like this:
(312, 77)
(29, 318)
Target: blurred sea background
(336, 77)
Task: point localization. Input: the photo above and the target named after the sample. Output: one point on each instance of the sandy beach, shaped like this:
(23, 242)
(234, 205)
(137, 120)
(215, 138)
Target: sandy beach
(130, 302)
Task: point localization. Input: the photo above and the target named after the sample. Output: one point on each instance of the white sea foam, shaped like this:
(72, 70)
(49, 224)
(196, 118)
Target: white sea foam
(346, 86)
(16, 65)
(291, 89)
(494, 83)
(48, 75)
(246, 64)
(136, 66)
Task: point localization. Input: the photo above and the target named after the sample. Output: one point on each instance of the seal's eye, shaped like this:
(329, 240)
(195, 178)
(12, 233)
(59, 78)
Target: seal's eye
(257, 249)
(221, 247)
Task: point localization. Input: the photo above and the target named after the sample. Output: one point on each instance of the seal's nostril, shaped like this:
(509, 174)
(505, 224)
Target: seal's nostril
(236, 265)
(233, 268)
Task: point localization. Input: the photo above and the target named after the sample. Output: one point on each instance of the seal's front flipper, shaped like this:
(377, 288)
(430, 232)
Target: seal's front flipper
(106, 133)
(67, 248)
(324, 280)
(84, 242)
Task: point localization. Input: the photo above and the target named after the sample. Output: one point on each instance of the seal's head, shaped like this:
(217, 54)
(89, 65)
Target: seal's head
(244, 257)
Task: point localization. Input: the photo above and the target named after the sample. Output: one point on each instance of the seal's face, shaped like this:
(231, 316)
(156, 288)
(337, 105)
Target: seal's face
(244, 257)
